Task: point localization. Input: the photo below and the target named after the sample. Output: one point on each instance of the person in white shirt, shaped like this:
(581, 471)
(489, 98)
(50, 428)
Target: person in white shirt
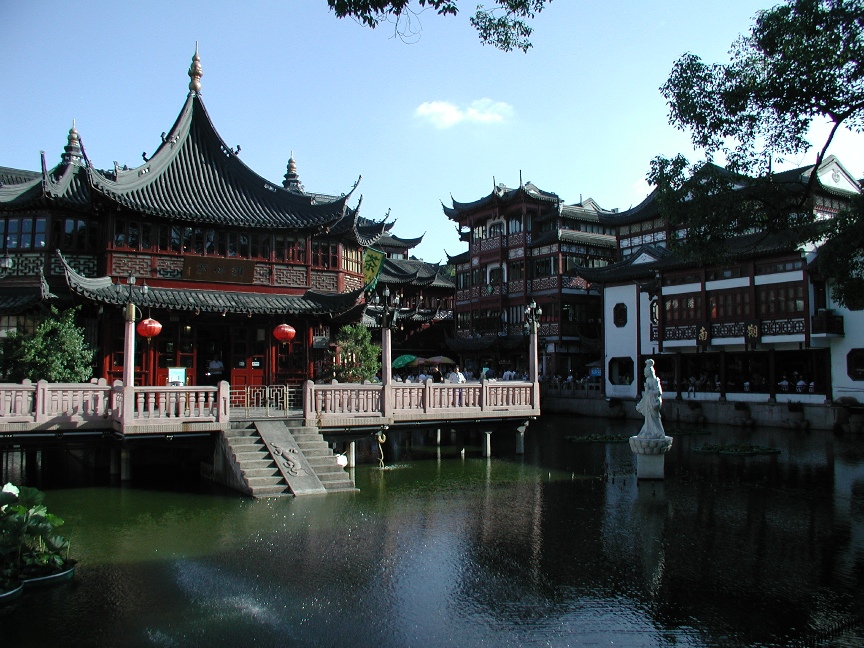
(456, 376)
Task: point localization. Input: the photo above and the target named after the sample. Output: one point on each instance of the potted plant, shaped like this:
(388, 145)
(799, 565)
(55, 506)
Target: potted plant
(31, 550)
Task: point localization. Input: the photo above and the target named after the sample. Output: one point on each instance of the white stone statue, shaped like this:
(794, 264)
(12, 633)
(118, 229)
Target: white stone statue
(649, 406)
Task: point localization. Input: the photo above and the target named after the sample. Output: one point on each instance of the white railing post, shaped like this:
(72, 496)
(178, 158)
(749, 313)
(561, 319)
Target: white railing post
(308, 395)
(223, 400)
(41, 396)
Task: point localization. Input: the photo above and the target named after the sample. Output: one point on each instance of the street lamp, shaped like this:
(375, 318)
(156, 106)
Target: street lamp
(532, 317)
(389, 311)
(389, 307)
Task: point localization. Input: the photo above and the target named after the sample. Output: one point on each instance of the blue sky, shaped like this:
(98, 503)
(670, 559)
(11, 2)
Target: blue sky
(580, 114)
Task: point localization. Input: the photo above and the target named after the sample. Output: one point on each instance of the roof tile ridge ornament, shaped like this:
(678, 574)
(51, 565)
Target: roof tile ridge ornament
(195, 73)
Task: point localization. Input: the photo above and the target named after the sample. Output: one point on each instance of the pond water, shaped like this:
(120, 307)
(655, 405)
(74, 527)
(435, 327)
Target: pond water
(559, 547)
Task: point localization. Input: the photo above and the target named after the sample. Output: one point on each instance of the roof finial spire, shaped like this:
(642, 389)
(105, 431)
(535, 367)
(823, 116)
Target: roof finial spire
(72, 150)
(292, 180)
(195, 72)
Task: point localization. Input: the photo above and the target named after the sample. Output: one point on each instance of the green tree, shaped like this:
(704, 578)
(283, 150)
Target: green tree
(800, 64)
(55, 351)
(359, 359)
(504, 26)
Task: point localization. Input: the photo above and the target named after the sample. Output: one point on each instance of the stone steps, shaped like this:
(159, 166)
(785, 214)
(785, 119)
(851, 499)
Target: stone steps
(259, 469)
(257, 466)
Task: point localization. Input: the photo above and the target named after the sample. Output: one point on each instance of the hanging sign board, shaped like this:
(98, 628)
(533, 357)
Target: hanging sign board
(372, 262)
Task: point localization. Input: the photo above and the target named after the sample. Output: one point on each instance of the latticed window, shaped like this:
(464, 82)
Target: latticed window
(781, 299)
(729, 304)
(24, 233)
(516, 270)
(682, 308)
(352, 259)
(74, 234)
(325, 255)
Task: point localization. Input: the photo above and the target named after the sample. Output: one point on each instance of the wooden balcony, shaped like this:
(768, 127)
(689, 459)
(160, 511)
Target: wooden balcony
(827, 324)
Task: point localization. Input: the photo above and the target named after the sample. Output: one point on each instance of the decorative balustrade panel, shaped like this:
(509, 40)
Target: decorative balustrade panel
(409, 397)
(498, 395)
(727, 330)
(17, 400)
(545, 283)
(687, 332)
(346, 399)
(71, 400)
(492, 243)
(783, 327)
(175, 402)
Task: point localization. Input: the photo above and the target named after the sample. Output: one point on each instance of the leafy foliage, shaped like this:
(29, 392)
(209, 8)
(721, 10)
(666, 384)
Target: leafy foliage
(359, 359)
(29, 543)
(504, 26)
(55, 351)
(800, 64)
(801, 61)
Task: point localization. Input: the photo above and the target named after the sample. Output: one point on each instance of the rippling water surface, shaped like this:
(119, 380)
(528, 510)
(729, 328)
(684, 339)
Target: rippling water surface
(560, 547)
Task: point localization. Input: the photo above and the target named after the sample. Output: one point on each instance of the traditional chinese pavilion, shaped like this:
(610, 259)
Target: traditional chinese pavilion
(196, 240)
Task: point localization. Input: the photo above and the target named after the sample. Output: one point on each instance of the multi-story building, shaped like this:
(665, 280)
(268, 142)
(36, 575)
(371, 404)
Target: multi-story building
(760, 322)
(526, 245)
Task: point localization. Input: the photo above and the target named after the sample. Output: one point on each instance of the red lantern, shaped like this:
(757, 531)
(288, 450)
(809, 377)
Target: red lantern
(284, 332)
(148, 328)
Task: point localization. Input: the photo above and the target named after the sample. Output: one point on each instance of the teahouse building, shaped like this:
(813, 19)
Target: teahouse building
(525, 245)
(195, 239)
(760, 322)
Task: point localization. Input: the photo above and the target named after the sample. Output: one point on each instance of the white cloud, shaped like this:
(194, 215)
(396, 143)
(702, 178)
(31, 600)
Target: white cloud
(443, 114)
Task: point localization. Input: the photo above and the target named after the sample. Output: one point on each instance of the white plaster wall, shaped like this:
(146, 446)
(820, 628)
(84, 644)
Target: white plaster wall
(853, 328)
(622, 341)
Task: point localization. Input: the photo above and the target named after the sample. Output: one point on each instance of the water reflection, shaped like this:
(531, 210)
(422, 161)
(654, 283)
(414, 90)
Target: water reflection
(560, 547)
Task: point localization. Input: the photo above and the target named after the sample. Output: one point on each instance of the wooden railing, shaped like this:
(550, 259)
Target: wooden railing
(345, 404)
(45, 406)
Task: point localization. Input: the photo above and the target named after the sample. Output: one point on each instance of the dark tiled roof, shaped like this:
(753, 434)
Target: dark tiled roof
(64, 186)
(414, 272)
(501, 195)
(13, 302)
(194, 176)
(462, 257)
(9, 176)
(392, 241)
(573, 236)
(643, 211)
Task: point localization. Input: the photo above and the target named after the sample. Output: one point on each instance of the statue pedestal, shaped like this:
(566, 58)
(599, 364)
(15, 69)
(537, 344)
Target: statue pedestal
(650, 456)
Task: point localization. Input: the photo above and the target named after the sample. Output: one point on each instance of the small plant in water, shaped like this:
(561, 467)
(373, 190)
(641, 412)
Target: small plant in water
(736, 449)
(30, 546)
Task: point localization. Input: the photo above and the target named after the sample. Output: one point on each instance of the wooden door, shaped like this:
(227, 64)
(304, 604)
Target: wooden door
(248, 356)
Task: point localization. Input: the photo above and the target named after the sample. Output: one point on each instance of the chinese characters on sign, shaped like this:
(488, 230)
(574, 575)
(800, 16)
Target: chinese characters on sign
(372, 262)
(215, 269)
